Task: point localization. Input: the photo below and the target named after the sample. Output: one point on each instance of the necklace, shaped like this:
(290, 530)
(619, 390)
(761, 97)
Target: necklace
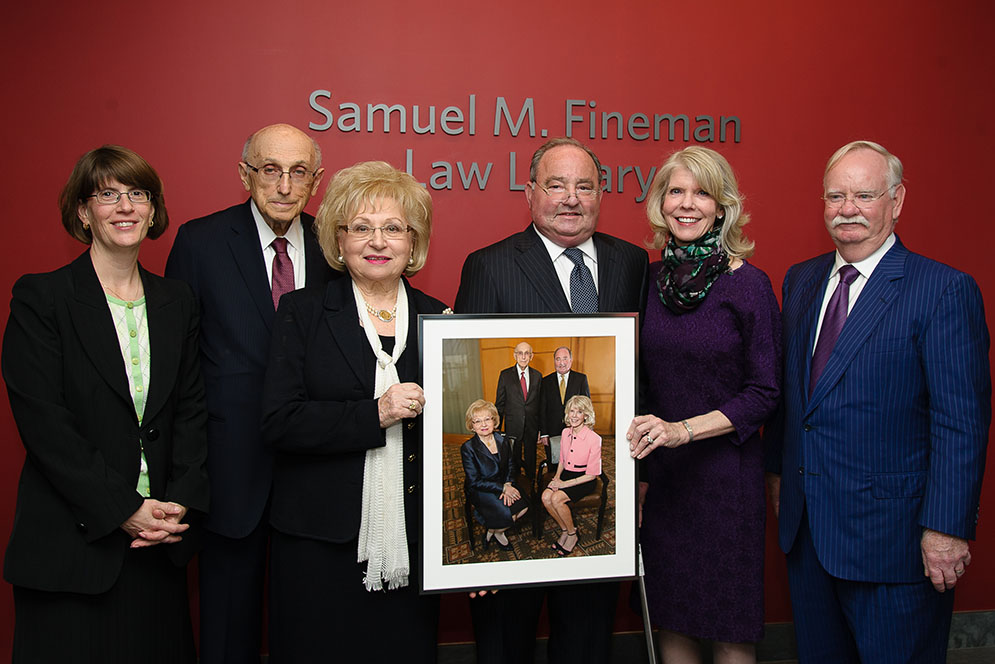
(123, 299)
(382, 314)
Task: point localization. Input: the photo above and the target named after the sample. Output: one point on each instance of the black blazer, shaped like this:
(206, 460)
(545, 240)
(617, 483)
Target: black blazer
(320, 417)
(551, 408)
(220, 257)
(516, 275)
(69, 394)
(519, 416)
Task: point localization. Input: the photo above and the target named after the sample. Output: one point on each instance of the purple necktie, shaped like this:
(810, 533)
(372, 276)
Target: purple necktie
(832, 324)
(283, 270)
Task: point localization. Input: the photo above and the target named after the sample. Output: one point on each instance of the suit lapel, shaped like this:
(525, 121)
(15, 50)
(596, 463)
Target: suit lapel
(95, 327)
(811, 295)
(875, 299)
(343, 323)
(244, 246)
(166, 331)
(485, 456)
(608, 269)
(533, 260)
(315, 265)
(535, 384)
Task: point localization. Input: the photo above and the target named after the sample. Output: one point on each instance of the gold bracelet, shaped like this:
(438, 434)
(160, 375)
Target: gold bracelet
(690, 432)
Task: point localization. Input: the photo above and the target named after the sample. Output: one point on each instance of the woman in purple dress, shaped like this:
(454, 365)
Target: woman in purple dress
(710, 351)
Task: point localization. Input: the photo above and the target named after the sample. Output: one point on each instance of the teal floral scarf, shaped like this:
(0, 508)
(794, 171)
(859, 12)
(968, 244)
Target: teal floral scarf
(688, 272)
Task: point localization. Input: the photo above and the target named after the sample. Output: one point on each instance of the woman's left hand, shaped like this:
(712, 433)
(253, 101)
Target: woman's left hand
(400, 401)
(555, 484)
(510, 495)
(648, 432)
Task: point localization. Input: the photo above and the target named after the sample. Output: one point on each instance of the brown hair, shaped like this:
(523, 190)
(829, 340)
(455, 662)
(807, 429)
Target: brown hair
(98, 167)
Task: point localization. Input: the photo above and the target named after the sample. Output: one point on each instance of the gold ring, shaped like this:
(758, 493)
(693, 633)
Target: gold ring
(413, 405)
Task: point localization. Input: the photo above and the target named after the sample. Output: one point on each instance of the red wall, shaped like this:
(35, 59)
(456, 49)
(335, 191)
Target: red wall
(184, 83)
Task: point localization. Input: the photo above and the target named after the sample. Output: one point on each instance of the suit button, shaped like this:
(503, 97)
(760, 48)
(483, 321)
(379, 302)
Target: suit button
(801, 470)
(411, 458)
(411, 425)
(153, 434)
(81, 527)
(807, 427)
(411, 489)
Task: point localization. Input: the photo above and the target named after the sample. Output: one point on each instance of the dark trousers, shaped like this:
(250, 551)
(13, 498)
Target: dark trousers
(581, 617)
(232, 582)
(523, 454)
(839, 621)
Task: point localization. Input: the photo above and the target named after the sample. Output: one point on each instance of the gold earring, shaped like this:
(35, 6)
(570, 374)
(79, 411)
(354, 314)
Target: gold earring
(86, 226)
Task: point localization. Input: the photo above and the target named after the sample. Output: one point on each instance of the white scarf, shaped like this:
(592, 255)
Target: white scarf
(382, 538)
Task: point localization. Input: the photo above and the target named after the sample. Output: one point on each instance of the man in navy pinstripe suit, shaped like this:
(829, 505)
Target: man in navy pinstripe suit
(228, 259)
(879, 449)
(531, 272)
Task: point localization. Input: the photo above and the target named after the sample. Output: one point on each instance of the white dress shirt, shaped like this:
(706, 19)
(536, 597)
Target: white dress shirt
(295, 246)
(864, 268)
(564, 266)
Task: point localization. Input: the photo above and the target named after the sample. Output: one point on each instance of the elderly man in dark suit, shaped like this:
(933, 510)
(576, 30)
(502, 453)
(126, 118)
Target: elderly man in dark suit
(883, 430)
(558, 264)
(557, 388)
(239, 261)
(517, 402)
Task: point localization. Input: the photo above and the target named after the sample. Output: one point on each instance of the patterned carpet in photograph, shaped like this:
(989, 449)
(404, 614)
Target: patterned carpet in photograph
(456, 544)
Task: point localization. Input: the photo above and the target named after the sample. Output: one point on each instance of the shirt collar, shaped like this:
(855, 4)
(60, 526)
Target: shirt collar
(555, 250)
(866, 266)
(294, 236)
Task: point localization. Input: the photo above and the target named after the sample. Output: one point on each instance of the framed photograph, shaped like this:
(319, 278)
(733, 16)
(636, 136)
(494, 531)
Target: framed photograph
(563, 389)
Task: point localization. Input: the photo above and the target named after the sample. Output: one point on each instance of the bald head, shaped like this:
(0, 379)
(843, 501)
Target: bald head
(523, 355)
(280, 147)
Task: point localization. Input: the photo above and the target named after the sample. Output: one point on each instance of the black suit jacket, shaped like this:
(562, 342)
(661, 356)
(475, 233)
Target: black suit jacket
(516, 275)
(519, 416)
(320, 417)
(220, 257)
(551, 408)
(70, 397)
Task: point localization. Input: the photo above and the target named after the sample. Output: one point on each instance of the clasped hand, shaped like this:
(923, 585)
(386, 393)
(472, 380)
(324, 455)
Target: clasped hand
(155, 522)
(400, 401)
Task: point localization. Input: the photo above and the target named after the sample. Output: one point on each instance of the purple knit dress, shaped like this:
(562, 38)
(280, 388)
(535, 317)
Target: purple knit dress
(703, 521)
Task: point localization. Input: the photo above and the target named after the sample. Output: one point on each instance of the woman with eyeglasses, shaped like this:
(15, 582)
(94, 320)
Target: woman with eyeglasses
(710, 351)
(487, 468)
(101, 364)
(341, 409)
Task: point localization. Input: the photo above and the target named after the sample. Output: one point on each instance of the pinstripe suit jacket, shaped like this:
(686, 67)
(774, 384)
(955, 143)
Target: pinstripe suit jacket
(516, 275)
(893, 438)
(220, 257)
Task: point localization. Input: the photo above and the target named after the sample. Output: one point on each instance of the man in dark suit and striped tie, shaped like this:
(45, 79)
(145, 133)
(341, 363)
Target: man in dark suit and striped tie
(239, 261)
(879, 449)
(517, 403)
(558, 264)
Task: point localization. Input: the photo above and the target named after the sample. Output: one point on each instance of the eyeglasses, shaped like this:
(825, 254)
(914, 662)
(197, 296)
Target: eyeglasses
(559, 191)
(111, 197)
(862, 199)
(480, 421)
(271, 173)
(361, 231)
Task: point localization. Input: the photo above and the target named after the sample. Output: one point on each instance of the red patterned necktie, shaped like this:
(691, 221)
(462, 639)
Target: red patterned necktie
(525, 387)
(283, 270)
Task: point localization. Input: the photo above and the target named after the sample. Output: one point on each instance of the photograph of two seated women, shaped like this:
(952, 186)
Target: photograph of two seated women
(528, 462)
